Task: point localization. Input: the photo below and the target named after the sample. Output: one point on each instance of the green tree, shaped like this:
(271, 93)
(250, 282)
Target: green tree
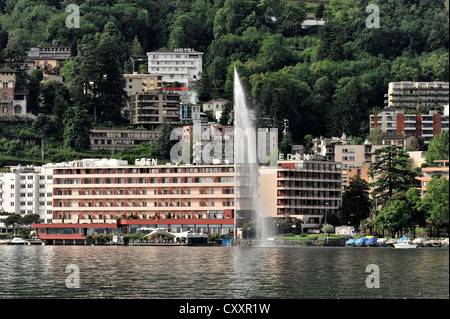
(391, 173)
(30, 219)
(13, 220)
(416, 207)
(435, 203)
(438, 148)
(164, 142)
(349, 110)
(77, 126)
(356, 203)
(395, 217)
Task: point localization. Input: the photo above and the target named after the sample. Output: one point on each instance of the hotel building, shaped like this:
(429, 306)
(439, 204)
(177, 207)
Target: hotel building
(137, 198)
(182, 65)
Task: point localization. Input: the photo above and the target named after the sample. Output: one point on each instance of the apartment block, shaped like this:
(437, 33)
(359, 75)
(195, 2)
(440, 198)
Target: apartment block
(148, 109)
(141, 83)
(395, 121)
(353, 158)
(309, 189)
(407, 94)
(119, 139)
(27, 190)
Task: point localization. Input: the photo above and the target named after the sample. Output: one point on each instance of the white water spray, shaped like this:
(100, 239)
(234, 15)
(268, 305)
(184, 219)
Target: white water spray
(247, 202)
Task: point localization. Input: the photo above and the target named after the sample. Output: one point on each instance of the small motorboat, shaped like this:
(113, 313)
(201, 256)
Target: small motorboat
(17, 241)
(445, 242)
(405, 244)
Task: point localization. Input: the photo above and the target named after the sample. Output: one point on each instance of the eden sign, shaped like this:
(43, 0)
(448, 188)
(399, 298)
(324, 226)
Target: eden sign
(146, 161)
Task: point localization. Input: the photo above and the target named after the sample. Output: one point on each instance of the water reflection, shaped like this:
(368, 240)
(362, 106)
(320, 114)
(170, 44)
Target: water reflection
(221, 272)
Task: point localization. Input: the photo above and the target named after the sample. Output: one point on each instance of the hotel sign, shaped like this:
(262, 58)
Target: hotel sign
(146, 161)
(183, 50)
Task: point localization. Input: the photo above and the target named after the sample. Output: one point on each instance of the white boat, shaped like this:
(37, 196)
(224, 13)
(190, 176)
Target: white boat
(405, 245)
(17, 241)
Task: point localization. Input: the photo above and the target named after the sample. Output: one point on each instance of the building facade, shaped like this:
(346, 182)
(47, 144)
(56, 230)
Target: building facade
(407, 94)
(141, 83)
(394, 121)
(216, 107)
(150, 108)
(442, 170)
(27, 190)
(309, 189)
(182, 65)
(12, 99)
(177, 198)
(48, 58)
(119, 139)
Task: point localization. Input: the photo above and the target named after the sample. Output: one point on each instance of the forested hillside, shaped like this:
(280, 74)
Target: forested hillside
(325, 80)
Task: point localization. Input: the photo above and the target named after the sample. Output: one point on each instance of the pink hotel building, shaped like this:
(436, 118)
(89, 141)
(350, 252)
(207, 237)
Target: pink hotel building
(112, 197)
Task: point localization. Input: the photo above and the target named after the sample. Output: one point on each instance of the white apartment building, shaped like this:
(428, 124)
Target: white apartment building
(27, 190)
(183, 65)
(407, 94)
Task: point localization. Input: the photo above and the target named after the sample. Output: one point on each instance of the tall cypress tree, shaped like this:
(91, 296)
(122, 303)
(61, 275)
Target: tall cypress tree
(391, 173)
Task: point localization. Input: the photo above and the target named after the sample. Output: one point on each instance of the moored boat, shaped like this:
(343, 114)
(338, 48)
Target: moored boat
(391, 242)
(405, 244)
(371, 241)
(381, 241)
(419, 242)
(361, 241)
(350, 242)
(17, 241)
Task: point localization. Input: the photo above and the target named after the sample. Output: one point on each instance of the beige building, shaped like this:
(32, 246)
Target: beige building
(308, 189)
(417, 158)
(215, 106)
(150, 108)
(119, 139)
(141, 83)
(442, 170)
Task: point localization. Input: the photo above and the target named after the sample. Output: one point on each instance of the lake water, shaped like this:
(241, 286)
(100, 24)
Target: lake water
(222, 272)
